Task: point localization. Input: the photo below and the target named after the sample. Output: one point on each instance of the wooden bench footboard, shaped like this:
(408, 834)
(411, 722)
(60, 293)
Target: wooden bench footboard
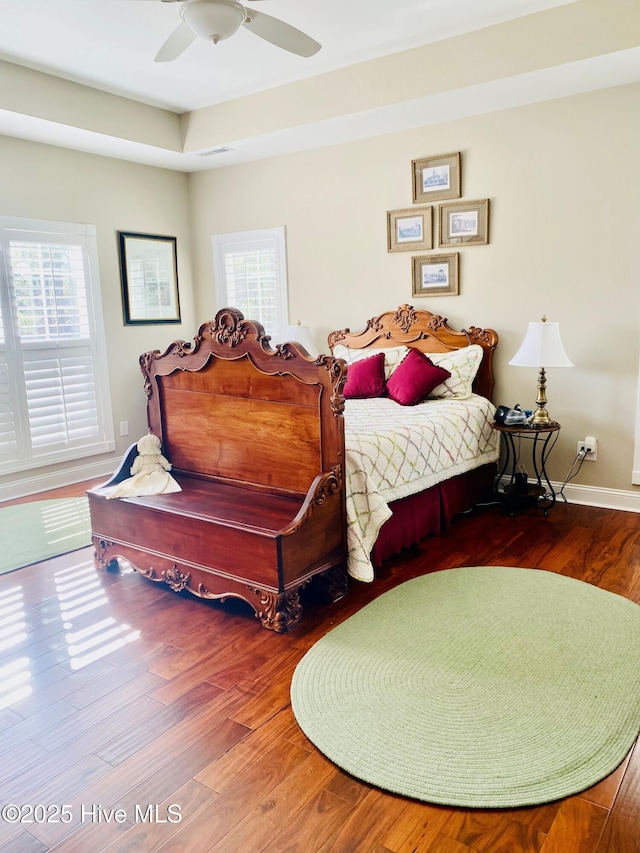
(256, 439)
(276, 610)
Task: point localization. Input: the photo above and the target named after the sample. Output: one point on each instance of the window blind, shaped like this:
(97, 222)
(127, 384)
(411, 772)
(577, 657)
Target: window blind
(250, 273)
(54, 396)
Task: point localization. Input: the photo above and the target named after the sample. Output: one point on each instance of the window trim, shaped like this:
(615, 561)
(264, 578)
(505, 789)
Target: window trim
(29, 229)
(275, 235)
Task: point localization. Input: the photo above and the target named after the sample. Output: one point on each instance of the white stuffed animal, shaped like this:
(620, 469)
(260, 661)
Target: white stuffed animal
(149, 472)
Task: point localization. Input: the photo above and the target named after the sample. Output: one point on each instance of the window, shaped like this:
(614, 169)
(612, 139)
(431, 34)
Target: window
(54, 394)
(251, 275)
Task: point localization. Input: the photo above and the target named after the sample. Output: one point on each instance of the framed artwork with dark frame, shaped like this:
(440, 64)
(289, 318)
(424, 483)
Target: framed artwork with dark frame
(436, 178)
(463, 223)
(436, 275)
(410, 229)
(149, 277)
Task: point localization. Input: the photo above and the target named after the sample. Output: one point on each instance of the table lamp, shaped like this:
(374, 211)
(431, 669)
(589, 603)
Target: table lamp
(302, 334)
(541, 348)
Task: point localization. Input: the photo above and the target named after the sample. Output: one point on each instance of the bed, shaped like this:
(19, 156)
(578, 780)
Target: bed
(411, 467)
(283, 481)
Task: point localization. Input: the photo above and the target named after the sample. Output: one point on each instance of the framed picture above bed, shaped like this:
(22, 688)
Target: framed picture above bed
(436, 178)
(436, 275)
(463, 223)
(410, 229)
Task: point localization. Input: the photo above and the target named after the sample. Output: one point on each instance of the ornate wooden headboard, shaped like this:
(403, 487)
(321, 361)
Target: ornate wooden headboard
(427, 332)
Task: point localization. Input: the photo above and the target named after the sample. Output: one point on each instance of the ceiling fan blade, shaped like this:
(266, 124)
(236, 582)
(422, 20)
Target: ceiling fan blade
(281, 34)
(178, 41)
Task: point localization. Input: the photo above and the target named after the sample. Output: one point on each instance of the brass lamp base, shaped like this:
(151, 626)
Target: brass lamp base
(541, 415)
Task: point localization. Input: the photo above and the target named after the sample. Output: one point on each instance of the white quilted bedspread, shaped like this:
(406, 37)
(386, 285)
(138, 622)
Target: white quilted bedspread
(393, 451)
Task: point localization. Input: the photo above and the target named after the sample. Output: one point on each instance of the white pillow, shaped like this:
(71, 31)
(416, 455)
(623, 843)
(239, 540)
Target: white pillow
(392, 356)
(463, 366)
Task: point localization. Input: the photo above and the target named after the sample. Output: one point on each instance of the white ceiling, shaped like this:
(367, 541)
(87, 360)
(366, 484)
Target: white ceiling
(111, 44)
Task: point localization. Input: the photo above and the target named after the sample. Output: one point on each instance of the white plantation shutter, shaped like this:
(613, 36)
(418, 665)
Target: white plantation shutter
(251, 275)
(8, 439)
(61, 399)
(10, 443)
(54, 395)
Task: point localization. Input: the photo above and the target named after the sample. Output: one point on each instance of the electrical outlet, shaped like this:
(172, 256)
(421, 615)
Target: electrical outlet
(588, 446)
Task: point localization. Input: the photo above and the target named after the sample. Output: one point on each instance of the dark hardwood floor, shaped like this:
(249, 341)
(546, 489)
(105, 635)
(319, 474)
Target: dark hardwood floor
(163, 723)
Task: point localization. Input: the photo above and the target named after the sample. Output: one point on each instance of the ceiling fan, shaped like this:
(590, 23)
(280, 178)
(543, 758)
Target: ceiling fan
(216, 20)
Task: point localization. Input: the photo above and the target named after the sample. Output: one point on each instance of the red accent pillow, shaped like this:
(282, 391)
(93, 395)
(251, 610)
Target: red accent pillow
(414, 378)
(365, 378)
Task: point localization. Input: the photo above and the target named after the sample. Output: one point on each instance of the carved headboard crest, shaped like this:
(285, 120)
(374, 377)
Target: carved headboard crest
(405, 317)
(425, 331)
(228, 327)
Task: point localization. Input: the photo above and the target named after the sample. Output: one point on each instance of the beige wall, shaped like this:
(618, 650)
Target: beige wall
(554, 38)
(34, 93)
(563, 178)
(46, 182)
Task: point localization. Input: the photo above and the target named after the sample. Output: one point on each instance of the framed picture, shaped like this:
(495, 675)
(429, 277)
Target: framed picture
(149, 275)
(436, 178)
(464, 223)
(435, 275)
(410, 229)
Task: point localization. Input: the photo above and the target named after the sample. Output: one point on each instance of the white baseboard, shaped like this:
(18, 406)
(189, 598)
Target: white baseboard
(598, 496)
(63, 477)
(629, 501)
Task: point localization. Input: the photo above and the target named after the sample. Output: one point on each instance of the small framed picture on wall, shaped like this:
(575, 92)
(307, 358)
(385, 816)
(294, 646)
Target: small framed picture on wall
(464, 223)
(436, 178)
(435, 275)
(410, 229)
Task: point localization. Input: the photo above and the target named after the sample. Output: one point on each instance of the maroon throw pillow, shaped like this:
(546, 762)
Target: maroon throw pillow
(365, 378)
(414, 378)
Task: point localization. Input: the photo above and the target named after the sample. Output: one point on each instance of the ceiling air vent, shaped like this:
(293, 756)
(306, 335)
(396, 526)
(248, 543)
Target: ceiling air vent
(222, 150)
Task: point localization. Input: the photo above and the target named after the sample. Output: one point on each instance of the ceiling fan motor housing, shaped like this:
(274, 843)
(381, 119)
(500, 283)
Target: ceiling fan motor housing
(213, 19)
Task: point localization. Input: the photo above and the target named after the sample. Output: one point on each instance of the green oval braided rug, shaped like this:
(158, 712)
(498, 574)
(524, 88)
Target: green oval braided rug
(477, 687)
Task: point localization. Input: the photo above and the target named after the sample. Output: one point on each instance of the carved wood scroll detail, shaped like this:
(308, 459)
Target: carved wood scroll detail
(145, 366)
(338, 372)
(484, 336)
(437, 322)
(182, 348)
(405, 317)
(228, 327)
(330, 484)
(335, 582)
(283, 351)
(173, 577)
(374, 324)
(100, 547)
(277, 611)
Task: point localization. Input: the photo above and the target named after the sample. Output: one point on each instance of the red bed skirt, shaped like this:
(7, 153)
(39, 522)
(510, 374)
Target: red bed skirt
(429, 512)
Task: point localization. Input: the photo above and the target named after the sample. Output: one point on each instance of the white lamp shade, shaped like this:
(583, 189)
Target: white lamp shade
(302, 334)
(542, 347)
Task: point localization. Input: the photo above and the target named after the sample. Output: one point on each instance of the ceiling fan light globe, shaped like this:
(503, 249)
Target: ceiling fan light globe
(214, 20)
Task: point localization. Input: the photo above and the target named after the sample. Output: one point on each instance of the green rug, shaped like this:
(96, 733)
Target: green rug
(477, 687)
(38, 530)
